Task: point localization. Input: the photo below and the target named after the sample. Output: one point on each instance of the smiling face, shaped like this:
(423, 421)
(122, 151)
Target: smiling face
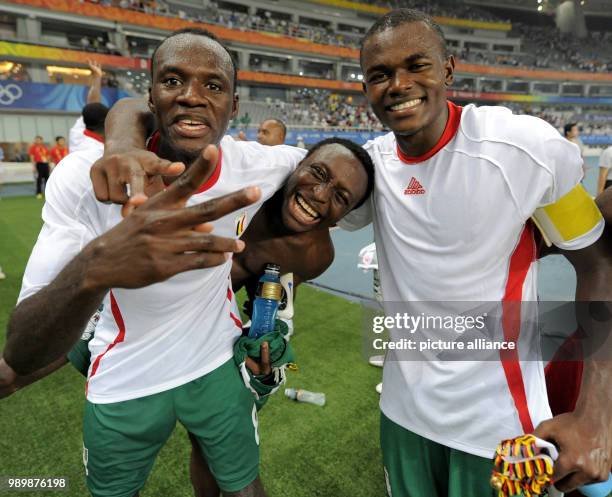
(192, 94)
(323, 189)
(270, 133)
(405, 77)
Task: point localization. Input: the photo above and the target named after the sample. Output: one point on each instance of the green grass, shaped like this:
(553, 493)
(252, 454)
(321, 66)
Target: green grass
(306, 451)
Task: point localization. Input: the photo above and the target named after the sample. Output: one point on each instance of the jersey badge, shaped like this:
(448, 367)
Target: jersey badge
(414, 188)
(240, 223)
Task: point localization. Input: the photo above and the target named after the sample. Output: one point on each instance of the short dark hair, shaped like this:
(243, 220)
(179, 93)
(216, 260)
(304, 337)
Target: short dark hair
(399, 17)
(58, 138)
(360, 154)
(568, 127)
(280, 123)
(94, 115)
(206, 34)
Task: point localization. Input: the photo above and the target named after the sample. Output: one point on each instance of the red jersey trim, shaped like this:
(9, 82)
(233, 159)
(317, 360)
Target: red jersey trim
(93, 135)
(452, 125)
(153, 146)
(235, 319)
(118, 339)
(523, 256)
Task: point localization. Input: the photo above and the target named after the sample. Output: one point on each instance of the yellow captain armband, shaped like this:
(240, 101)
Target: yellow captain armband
(571, 217)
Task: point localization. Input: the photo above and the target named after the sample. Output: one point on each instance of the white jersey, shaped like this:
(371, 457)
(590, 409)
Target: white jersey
(605, 161)
(80, 138)
(452, 225)
(155, 338)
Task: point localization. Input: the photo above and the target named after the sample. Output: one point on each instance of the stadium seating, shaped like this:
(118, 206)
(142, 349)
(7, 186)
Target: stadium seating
(305, 70)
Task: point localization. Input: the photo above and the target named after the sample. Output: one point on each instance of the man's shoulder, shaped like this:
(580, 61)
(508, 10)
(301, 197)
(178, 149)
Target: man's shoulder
(84, 157)
(382, 143)
(75, 169)
(496, 124)
(254, 154)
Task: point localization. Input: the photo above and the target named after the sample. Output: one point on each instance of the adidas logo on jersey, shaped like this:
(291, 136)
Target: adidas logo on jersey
(414, 188)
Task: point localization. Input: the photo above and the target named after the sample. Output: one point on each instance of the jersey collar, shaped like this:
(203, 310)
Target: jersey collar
(93, 135)
(452, 125)
(153, 146)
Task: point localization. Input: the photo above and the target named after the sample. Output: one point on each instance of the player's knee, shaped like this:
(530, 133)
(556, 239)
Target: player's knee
(8, 379)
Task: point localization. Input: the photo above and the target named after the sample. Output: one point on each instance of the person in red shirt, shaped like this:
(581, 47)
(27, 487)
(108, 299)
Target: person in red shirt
(59, 151)
(39, 155)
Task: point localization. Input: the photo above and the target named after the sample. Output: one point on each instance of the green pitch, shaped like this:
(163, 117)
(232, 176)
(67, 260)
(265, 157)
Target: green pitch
(307, 451)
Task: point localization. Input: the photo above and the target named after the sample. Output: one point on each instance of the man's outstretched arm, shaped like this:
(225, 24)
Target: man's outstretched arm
(158, 240)
(126, 161)
(601, 179)
(94, 95)
(10, 381)
(128, 124)
(46, 325)
(584, 437)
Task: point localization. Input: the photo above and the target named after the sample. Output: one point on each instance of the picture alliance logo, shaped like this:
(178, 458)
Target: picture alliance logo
(10, 93)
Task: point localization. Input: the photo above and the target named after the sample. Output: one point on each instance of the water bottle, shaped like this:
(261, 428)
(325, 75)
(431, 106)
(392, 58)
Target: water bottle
(318, 399)
(266, 302)
(602, 489)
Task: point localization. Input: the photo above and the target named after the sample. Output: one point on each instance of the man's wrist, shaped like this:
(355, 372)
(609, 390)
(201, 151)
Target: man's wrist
(93, 266)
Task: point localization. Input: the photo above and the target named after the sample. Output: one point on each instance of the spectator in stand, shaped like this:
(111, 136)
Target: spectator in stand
(39, 155)
(59, 151)
(571, 133)
(272, 132)
(605, 175)
(245, 120)
(19, 155)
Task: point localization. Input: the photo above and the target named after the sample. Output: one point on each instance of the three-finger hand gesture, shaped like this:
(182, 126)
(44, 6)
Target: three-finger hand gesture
(163, 237)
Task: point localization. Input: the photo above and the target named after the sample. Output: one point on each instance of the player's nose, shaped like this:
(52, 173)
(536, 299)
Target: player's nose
(321, 192)
(191, 95)
(402, 81)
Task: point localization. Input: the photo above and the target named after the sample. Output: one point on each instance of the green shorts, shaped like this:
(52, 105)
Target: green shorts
(121, 440)
(417, 467)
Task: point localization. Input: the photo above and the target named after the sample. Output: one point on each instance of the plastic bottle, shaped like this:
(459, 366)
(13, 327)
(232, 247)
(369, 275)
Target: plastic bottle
(602, 489)
(300, 395)
(266, 302)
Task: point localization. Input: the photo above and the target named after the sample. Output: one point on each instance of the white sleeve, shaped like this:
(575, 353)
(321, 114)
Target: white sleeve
(566, 214)
(66, 229)
(565, 162)
(358, 218)
(75, 136)
(262, 165)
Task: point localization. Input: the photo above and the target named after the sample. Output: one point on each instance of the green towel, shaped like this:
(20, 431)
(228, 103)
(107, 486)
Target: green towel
(281, 354)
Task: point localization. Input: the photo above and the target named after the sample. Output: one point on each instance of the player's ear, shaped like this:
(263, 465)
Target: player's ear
(449, 70)
(363, 87)
(150, 102)
(235, 105)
